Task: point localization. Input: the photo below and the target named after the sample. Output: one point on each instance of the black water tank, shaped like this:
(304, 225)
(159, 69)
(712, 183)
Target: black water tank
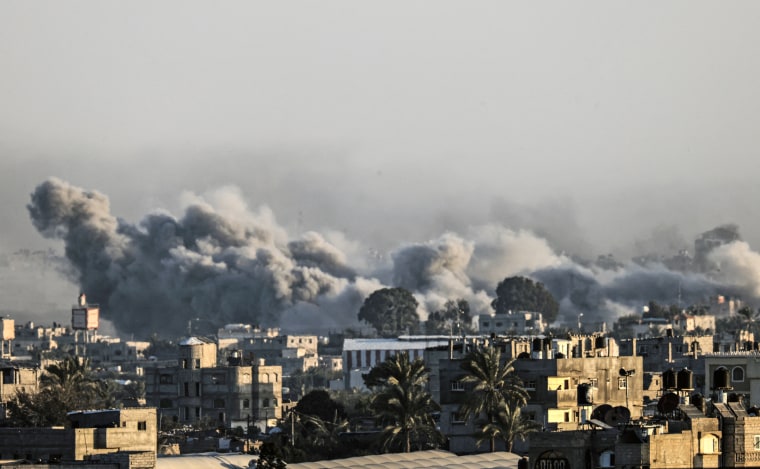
(669, 379)
(721, 379)
(684, 379)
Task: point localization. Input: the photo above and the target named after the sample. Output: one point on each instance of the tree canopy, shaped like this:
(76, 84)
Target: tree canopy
(523, 294)
(65, 386)
(391, 311)
(454, 318)
(319, 403)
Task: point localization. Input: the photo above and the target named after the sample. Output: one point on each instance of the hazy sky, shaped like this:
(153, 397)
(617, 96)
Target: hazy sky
(391, 121)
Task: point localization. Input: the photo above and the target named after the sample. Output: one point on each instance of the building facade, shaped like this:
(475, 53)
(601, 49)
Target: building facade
(237, 394)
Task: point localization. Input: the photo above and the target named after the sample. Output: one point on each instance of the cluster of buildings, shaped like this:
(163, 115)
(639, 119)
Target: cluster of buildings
(672, 395)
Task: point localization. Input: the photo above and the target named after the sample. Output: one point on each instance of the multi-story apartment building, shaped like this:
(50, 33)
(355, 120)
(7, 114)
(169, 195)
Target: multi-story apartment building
(237, 394)
(554, 385)
(16, 377)
(293, 353)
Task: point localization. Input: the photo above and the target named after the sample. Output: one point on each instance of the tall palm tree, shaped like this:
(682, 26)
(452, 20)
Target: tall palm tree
(494, 384)
(509, 424)
(72, 380)
(403, 405)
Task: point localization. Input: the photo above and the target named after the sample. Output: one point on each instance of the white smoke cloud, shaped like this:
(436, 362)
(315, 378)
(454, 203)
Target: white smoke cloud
(738, 265)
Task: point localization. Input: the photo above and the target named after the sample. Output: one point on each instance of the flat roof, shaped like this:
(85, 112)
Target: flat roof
(436, 459)
(416, 343)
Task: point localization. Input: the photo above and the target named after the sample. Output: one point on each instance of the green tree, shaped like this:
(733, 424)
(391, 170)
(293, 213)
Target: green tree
(271, 456)
(319, 403)
(749, 318)
(494, 384)
(323, 436)
(65, 386)
(508, 425)
(454, 319)
(391, 311)
(523, 294)
(403, 405)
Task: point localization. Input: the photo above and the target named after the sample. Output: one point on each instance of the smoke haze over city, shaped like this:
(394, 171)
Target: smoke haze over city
(277, 163)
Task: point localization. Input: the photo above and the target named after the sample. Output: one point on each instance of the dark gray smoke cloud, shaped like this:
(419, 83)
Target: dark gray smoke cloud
(221, 262)
(164, 272)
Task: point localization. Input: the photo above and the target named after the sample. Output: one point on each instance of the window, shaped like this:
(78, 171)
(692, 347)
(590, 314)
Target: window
(486, 324)
(197, 389)
(530, 384)
(142, 426)
(165, 404)
(622, 382)
(457, 386)
(197, 362)
(197, 412)
(756, 445)
(737, 374)
(219, 378)
(246, 404)
(265, 402)
(184, 363)
(165, 379)
(457, 417)
(594, 382)
(219, 404)
(187, 389)
(274, 402)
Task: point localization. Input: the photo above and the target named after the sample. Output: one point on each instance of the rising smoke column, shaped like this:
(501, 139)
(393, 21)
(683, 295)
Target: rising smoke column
(222, 263)
(164, 272)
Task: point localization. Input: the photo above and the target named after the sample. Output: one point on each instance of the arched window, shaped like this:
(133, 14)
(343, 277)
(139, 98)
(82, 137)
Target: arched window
(737, 374)
(709, 444)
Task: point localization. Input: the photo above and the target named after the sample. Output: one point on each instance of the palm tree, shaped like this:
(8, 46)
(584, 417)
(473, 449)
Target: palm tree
(72, 380)
(495, 384)
(508, 425)
(403, 405)
(749, 317)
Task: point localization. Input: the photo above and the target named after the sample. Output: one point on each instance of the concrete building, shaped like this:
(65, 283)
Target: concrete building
(735, 373)
(511, 323)
(124, 437)
(294, 353)
(197, 388)
(360, 355)
(554, 386)
(686, 323)
(690, 440)
(15, 377)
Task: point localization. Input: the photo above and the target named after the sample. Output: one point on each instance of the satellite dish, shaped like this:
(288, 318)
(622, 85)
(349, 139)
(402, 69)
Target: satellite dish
(622, 372)
(617, 415)
(601, 411)
(668, 403)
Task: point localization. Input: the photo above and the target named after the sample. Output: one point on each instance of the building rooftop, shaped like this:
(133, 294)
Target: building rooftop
(419, 459)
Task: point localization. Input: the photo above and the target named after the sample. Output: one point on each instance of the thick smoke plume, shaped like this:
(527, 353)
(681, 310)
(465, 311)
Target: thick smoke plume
(221, 262)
